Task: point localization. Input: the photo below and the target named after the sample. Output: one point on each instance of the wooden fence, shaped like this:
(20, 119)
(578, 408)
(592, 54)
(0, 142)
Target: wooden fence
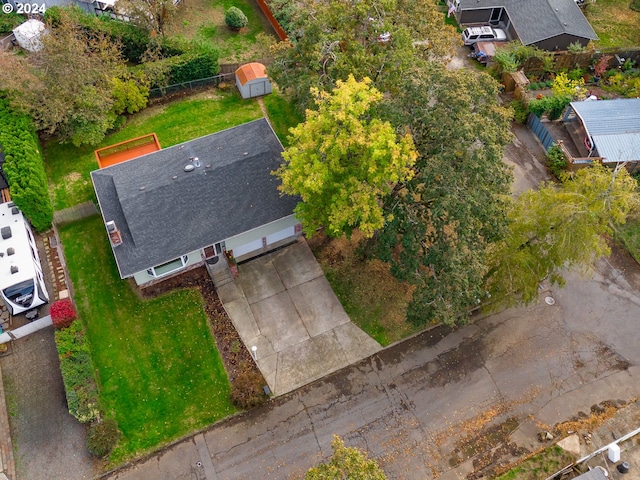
(583, 60)
(228, 68)
(77, 212)
(272, 20)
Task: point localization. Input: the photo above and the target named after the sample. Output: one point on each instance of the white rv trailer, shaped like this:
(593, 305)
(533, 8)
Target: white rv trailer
(21, 281)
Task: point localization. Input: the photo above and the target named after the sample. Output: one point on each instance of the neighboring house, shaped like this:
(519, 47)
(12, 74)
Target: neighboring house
(97, 7)
(608, 129)
(546, 24)
(173, 209)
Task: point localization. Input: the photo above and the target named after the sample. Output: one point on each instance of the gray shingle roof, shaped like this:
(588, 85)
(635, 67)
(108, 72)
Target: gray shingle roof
(614, 126)
(164, 212)
(537, 20)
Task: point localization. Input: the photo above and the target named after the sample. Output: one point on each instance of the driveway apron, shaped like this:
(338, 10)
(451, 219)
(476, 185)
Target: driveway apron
(283, 305)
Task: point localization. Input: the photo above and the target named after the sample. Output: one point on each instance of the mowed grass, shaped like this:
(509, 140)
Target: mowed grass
(371, 296)
(160, 374)
(68, 167)
(615, 23)
(204, 20)
(282, 115)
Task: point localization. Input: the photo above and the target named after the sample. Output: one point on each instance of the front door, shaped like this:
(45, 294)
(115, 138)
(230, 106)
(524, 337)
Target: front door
(214, 250)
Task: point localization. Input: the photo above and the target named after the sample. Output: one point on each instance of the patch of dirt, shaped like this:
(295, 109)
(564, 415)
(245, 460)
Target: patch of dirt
(73, 177)
(236, 358)
(588, 422)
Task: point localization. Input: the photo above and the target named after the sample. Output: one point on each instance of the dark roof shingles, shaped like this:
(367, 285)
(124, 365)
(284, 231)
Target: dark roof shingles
(162, 217)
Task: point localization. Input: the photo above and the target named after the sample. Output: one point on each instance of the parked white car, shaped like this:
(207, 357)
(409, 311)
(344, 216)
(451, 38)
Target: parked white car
(486, 33)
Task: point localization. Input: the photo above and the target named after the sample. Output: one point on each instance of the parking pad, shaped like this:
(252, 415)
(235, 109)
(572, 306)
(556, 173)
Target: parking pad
(282, 304)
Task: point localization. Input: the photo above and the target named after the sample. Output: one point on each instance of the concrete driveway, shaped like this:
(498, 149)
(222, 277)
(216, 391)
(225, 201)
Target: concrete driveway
(417, 406)
(283, 305)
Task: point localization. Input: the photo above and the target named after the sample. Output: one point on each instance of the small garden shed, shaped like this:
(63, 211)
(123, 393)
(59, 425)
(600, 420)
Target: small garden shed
(252, 80)
(29, 34)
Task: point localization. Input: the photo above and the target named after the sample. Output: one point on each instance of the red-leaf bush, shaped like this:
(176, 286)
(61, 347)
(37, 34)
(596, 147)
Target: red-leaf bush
(62, 313)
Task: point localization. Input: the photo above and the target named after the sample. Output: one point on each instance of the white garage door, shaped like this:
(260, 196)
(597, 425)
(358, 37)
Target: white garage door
(257, 244)
(247, 248)
(281, 235)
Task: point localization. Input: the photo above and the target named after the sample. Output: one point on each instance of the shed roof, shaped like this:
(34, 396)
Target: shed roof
(538, 20)
(614, 126)
(251, 71)
(164, 212)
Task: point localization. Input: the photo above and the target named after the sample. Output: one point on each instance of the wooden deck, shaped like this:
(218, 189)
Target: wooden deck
(127, 150)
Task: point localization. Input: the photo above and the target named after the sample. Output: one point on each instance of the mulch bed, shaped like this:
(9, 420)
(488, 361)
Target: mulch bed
(236, 358)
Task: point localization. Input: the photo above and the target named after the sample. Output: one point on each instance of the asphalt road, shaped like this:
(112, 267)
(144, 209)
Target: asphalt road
(416, 405)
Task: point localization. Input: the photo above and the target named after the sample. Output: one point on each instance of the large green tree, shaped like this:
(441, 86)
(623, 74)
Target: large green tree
(75, 86)
(346, 463)
(444, 218)
(152, 15)
(342, 161)
(558, 227)
(369, 38)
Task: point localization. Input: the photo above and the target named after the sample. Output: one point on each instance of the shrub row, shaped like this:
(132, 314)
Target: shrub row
(200, 62)
(24, 167)
(77, 372)
(134, 40)
(182, 60)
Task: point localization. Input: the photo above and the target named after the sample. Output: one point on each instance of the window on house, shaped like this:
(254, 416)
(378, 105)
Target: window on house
(169, 267)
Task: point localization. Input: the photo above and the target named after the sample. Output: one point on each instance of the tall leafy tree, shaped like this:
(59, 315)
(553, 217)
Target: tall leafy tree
(346, 462)
(444, 218)
(342, 161)
(556, 227)
(369, 38)
(75, 86)
(152, 15)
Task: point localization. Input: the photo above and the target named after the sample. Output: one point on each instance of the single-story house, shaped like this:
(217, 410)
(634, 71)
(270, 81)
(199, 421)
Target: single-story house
(546, 24)
(172, 209)
(252, 80)
(609, 129)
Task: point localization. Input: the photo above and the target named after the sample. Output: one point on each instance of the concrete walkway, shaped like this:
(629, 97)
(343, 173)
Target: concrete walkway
(283, 305)
(25, 330)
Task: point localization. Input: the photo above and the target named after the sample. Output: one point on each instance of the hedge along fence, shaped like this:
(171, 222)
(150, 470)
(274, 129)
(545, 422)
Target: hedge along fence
(583, 60)
(78, 372)
(24, 167)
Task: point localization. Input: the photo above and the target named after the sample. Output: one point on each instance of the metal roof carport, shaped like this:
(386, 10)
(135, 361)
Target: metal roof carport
(613, 127)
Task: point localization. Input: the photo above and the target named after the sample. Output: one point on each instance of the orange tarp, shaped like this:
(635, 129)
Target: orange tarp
(251, 71)
(127, 150)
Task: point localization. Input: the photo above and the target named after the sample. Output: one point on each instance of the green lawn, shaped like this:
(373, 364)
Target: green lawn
(282, 115)
(68, 167)
(160, 374)
(615, 23)
(204, 20)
